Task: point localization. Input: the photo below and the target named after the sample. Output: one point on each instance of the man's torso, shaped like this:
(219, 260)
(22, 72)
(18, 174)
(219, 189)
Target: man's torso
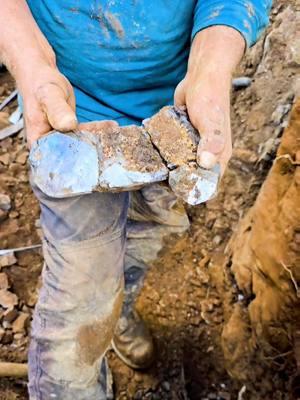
(123, 57)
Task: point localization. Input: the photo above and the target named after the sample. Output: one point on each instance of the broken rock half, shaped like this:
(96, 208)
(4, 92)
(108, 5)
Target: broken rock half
(173, 135)
(70, 164)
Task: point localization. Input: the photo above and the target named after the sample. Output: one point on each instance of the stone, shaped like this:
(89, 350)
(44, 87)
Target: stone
(19, 200)
(20, 324)
(2, 333)
(13, 214)
(10, 315)
(217, 240)
(8, 259)
(8, 299)
(18, 336)
(129, 160)
(4, 118)
(5, 158)
(173, 135)
(241, 82)
(4, 284)
(166, 386)
(280, 112)
(65, 165)
(6, 325)
(126, 158)
(8, 337)
(22, 157)
(5, 203)
(193, 184)
(3, 215)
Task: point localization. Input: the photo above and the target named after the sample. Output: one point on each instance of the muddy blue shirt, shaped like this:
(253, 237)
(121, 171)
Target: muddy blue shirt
(124, 58)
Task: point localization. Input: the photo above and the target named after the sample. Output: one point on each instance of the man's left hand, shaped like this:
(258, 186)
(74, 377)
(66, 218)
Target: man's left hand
(205, 91)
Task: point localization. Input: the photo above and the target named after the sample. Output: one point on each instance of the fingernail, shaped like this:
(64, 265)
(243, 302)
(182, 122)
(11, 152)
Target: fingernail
(68, 120)
(207, 160)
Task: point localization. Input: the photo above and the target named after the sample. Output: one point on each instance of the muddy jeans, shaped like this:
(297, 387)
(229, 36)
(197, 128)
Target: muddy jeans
(88, 249)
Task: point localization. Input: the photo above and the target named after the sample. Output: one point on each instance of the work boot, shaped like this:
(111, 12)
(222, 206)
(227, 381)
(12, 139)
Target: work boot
(133, 342)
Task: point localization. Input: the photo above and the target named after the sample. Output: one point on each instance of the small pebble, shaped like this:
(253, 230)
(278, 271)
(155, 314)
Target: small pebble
(5, 203)
(166, 386)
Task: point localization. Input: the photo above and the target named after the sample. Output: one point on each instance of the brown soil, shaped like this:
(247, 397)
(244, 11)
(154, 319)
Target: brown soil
(223, 324)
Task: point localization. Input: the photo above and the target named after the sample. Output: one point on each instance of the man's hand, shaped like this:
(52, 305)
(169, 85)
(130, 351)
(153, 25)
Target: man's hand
(205, 91)
(49, 102)
(48, 96)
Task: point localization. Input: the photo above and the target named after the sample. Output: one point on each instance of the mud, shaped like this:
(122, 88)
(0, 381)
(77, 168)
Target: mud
(264, 257)
(94, 339)
(194, 300)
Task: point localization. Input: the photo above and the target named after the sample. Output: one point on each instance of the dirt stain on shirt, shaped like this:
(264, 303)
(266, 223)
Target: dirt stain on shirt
(115, 24)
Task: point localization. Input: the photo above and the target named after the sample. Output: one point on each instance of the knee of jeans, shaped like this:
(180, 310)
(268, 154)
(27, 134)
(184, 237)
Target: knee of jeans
(82, 276)
(71, 355)
(79, 218)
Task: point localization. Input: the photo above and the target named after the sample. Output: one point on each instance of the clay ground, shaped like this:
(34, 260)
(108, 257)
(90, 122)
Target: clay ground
(188, 294)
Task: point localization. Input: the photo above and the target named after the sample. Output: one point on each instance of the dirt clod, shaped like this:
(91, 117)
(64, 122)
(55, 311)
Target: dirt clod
(20, 323)
(4, 284)
(7, 259)
(8, 299)
(10, 315)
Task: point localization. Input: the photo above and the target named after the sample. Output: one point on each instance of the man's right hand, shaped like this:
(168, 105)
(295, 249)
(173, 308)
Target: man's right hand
(48, 97)
(49, 102)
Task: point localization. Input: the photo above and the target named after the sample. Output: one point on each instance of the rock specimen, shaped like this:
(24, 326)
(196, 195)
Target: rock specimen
(173, 135)
(192, 183)
(124, 158)
(128, 159)
(75, 163)
(176, 140)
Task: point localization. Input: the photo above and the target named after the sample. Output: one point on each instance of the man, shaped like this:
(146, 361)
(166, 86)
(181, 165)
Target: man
(121, 61)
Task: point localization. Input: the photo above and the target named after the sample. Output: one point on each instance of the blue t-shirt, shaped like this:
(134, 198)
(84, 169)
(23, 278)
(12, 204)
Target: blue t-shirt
(124, 58)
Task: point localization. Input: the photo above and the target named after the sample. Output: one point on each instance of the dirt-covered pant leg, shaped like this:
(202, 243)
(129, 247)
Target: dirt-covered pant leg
(81, 297)
(154, 213)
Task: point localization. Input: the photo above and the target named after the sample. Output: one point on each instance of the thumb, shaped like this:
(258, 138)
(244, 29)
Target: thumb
(211, 147)
(179, 95)
(60, 114)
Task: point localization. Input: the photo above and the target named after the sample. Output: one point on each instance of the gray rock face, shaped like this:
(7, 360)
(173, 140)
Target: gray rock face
(65, 165)
(123, 159)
